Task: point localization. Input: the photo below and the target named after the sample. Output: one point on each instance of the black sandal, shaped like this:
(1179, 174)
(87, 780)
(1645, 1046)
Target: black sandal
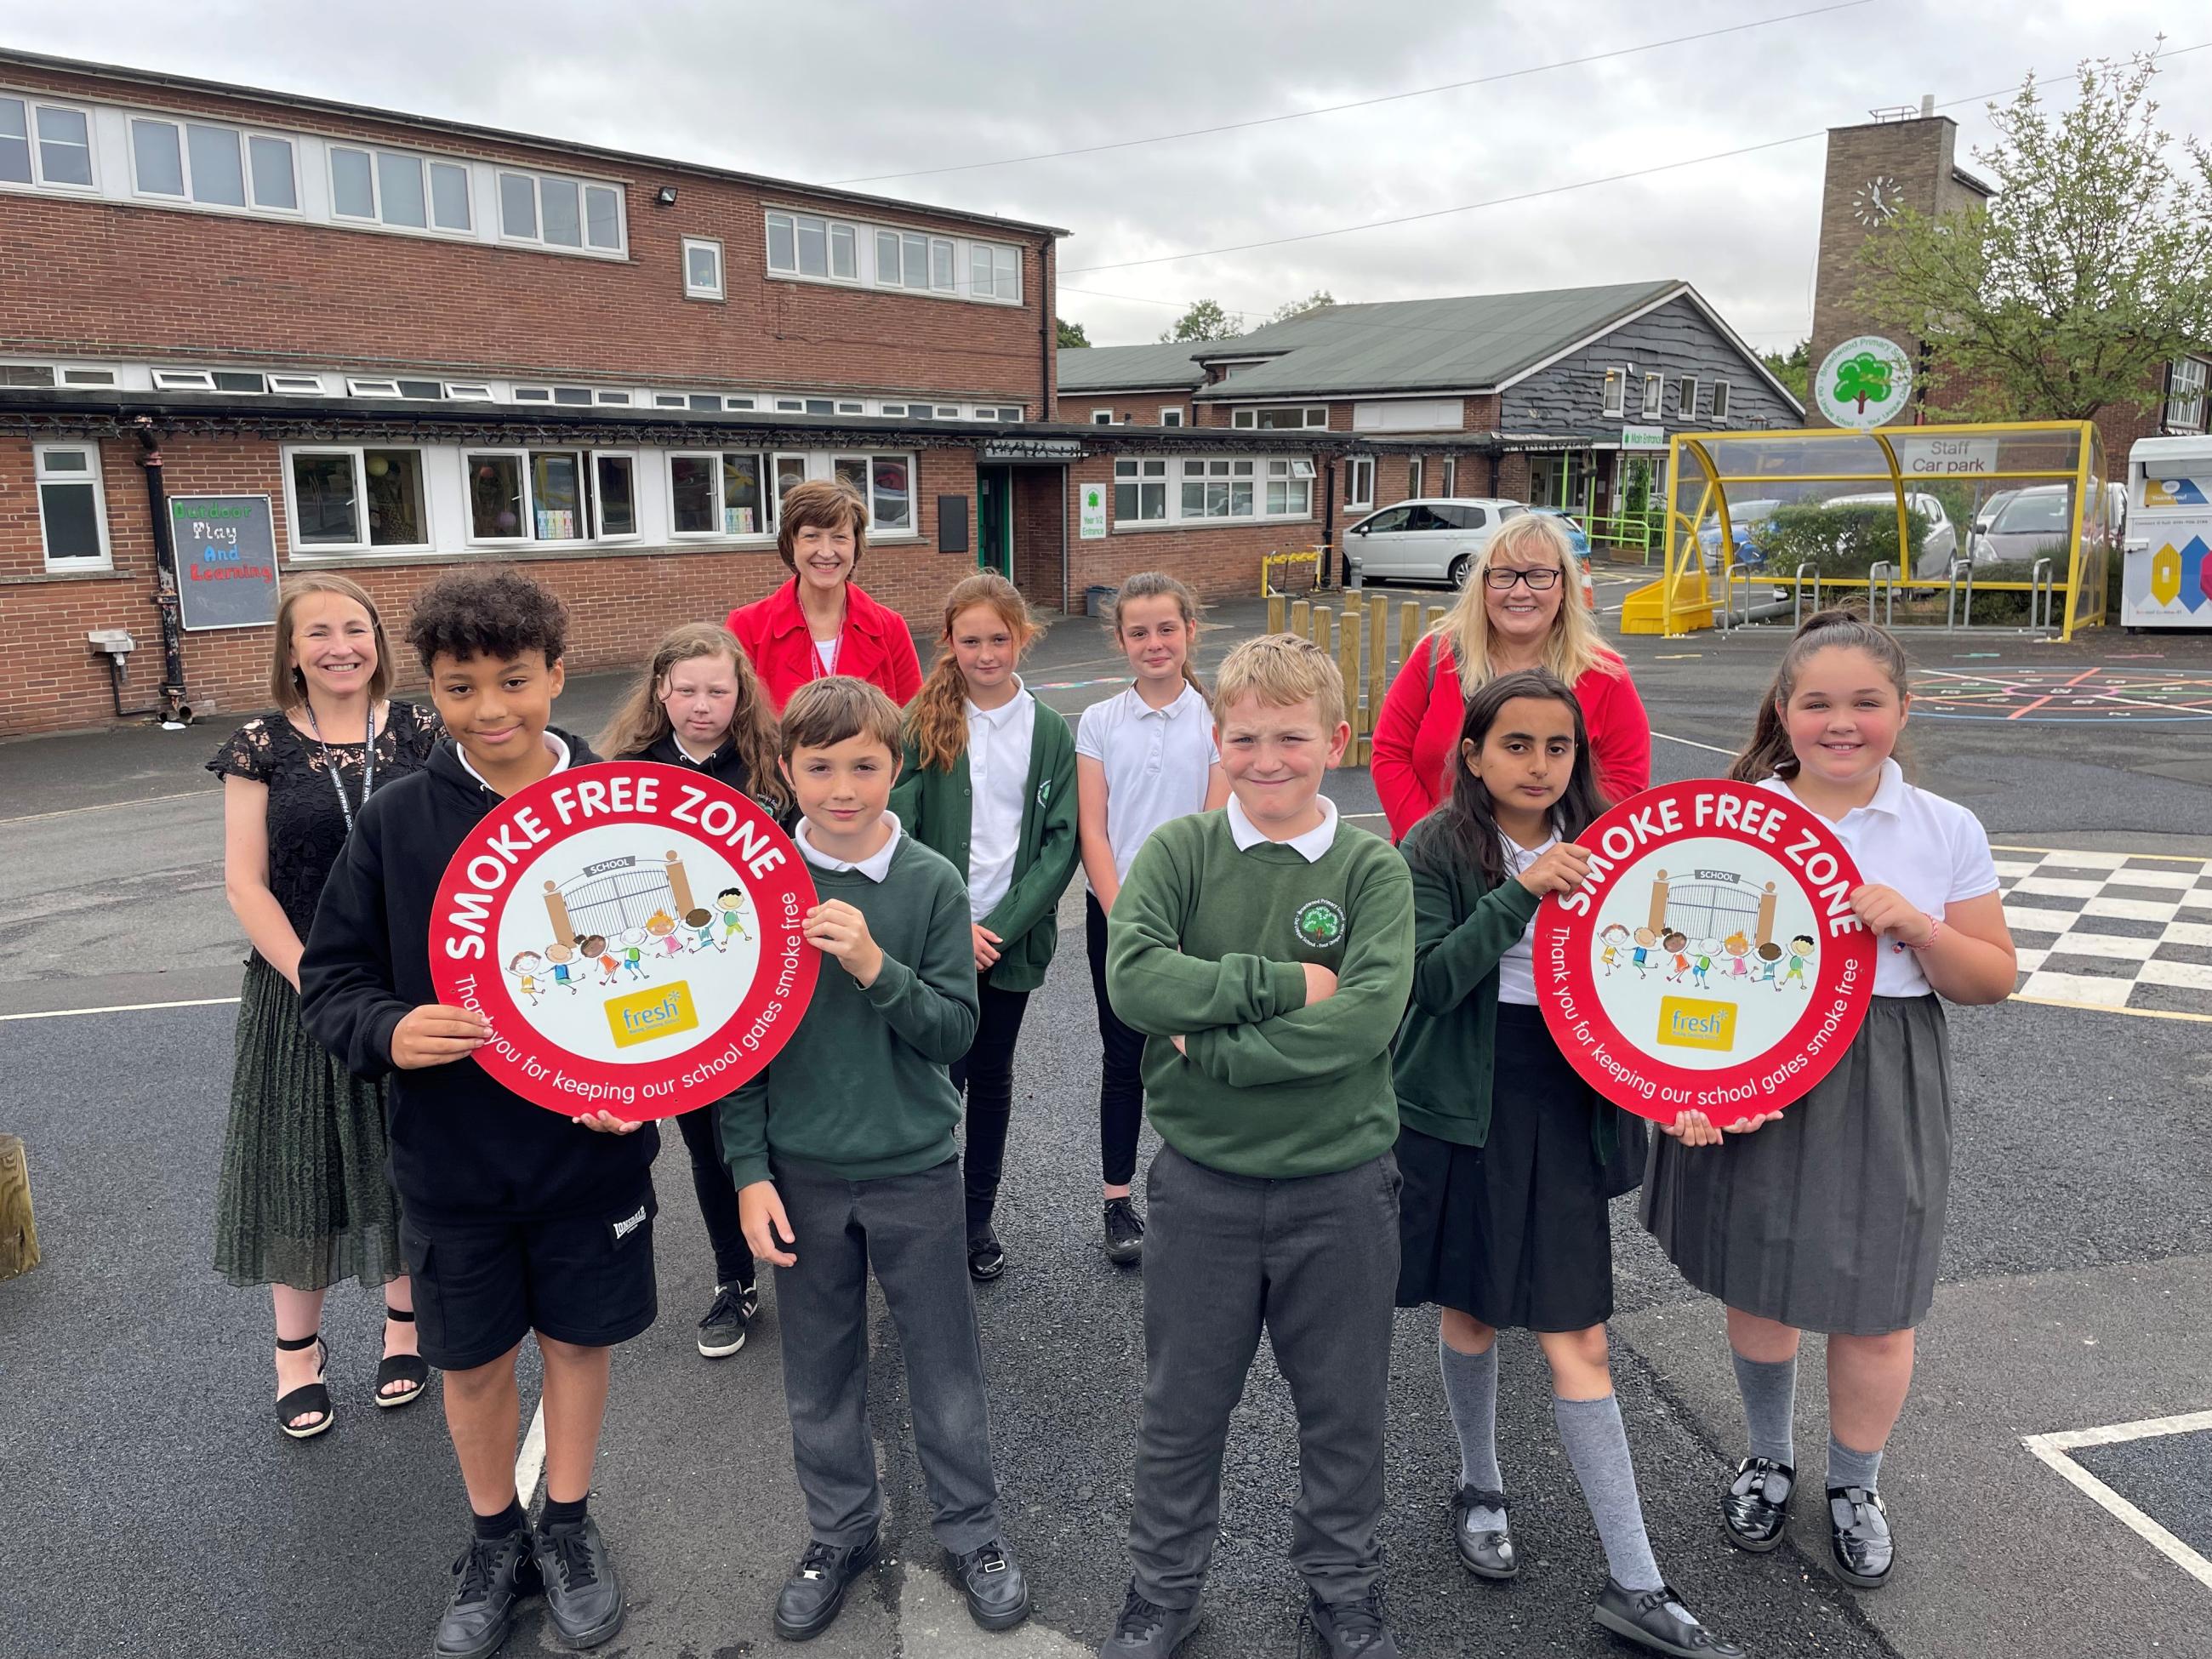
(408, 1368)
(310, 1397)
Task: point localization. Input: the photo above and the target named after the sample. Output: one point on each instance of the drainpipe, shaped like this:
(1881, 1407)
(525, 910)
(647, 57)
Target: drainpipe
(1327, 524)
(1048, 333)
(173, 709)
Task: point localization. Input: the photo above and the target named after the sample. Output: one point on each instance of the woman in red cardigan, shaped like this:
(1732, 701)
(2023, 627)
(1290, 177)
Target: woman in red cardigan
(820, 622)
(1505, 621)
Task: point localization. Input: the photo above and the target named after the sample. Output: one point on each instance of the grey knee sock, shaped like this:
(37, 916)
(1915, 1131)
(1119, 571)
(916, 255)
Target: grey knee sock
(1471, 1391)
(1847, 1467)
(1770, 1403)
(1597, 1446)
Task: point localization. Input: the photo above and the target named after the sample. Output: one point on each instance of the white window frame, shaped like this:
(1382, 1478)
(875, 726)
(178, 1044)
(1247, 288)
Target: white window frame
(1006, 272)
(246, 136)
(1448, 476)
(2189, 384)
(32, 104)
(1130, 473)
(1358, 470)
(1171, 415)
(1414, 480)
(833, 231)
(716, 290)
(472, 453)
(191, 380)
(1685, 396)
(1287, 474)
(1312, 415)
(912, 527)
(470, 391)
(1101, 417)
(598, 531)
(83, 375)
(538, 178)
(1614, 405)
(1228, 479)
(1654, 393)
(376, 220)
(40, 477)
(357, 454)
(295, 386)
(1719, 402)
(771, 497)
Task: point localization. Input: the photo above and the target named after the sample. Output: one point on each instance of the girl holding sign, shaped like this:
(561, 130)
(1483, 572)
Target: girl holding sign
(699, 705)
(1830, 1217)
(1505, 1152)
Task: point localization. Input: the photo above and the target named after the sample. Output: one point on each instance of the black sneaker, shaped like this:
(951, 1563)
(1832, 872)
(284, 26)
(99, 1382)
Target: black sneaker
(810, 1597)
(722, 1332)
(1125, 1233)
(492, 1575)
(998, 1595)
(1656, 1620)
(1146, 1630)
(583, 1593)
(1353, 1630)
(986, 1259)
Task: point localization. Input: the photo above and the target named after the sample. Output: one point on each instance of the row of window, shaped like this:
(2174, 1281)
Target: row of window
(1654, 397)
(1210, 489)
(814, 248)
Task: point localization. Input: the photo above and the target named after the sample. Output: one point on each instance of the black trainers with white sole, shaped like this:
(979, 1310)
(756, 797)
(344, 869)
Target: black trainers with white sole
(722, 1332)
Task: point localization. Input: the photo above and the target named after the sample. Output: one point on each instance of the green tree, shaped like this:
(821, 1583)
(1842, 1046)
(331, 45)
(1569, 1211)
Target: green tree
(1071, 334)
(2088, 270)
(1320, 298)
(1863, 377)
(1205, 321)
(1794, 368)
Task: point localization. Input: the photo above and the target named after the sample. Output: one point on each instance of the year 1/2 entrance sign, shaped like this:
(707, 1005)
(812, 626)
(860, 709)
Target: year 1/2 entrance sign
(631, 932)
(1710, 961)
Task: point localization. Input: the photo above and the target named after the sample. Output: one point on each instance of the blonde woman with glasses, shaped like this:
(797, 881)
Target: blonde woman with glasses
(1522, 607)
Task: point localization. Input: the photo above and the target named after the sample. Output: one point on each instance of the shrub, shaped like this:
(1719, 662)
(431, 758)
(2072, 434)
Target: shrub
(1837, 540)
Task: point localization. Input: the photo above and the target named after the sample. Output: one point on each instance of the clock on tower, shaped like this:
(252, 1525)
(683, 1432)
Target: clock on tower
(1876, 201)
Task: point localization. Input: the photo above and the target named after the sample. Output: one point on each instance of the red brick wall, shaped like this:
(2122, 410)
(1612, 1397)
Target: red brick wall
(106, 279)
(1134, 408)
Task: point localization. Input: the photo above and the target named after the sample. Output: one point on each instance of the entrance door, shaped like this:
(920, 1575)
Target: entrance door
(995, 519)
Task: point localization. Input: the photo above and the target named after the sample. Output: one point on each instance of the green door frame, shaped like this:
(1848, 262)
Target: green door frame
(995, 519)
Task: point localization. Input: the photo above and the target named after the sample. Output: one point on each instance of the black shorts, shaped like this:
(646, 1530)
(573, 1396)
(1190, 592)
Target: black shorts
(481, 1285)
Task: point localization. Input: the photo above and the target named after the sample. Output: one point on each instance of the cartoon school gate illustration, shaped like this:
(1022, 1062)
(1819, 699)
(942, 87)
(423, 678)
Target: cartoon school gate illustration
(614, 895)
(1713, 905)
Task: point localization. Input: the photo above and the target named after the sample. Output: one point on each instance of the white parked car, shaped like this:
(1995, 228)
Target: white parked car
(1939, 543)
(1430, 539)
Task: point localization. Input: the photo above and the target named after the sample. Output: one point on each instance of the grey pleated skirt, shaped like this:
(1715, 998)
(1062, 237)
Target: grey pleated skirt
(303, 1199)
(1831, 1219)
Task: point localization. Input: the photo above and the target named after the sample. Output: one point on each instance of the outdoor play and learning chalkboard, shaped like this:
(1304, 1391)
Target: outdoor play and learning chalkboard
(225, 560)
(631, 932)
(1710, 961)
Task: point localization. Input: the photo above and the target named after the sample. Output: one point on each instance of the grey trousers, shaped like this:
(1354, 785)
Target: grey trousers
(912, 1230)
(1315, 1262)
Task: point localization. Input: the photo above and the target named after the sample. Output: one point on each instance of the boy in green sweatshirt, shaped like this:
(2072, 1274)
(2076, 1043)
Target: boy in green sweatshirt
(1266, 951)
(843, 1156)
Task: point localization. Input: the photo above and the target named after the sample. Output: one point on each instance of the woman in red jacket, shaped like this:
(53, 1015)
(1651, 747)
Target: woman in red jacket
(820, 622)
(1522, 608)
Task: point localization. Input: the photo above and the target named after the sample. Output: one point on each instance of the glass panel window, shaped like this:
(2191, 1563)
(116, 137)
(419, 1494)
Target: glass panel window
(518, 206)
(1616, 391)
(813, 246)
(71, 517)
(1654, 393)
(158, 158)
(941, 266)
(705, 402)
(1287, 492)
(693, 502)
(239, 379)
(820, 406)
(887, 257)
(790, 472)
(890, 492)
(1216, 490)
(1414, 476)
(275, 186)
(395, 514)
(1359, 479)
(572, 394)
(744, 495)
(2186, 391)
(1141, 491)
(556, 496)
(1686, 397)
(495, 504)
(296, 383)
(615, 498)
(844, 260)
(851, 470)
(914, 260)
(602, 216)
(218, 167)
(326, 504)
(1447, 478)
(64, 147)
(1720, 400)
(15, 142)
(422, 389)
(353, 187)
(703, 269)
(449, 196)
(399, 190)
(782, 246)
(1009, 264)
(564, 220)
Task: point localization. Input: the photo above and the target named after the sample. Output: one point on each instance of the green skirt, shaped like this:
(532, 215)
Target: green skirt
(303, 1199)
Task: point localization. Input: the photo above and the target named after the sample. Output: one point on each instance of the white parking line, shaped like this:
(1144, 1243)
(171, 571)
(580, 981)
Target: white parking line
(2052, 1448)
(109, 805)
(122, 1008)
(530, 1462)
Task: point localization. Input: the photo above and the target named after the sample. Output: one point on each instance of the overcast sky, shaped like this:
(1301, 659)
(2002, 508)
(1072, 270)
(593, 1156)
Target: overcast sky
(829, 90)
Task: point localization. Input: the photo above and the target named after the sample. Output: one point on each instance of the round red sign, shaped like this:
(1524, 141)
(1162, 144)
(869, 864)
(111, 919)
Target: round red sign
(1710, 961)
(631, 932)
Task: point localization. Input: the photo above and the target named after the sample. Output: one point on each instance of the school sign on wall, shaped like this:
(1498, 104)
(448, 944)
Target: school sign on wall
(631, 932)
(226, 549)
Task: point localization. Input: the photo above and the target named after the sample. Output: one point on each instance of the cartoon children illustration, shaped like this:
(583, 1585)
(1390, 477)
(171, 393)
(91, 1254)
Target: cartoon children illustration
(1800, 958)
(1701, 961)
(731, 901)
(662, 927)
(526, 967)
(1675, 946)
(1610, 939)
(594, 947)
(1646, 941)
(1769, 956)
(565, 970)
(633, 942)
(701, 920)
(1739, 953)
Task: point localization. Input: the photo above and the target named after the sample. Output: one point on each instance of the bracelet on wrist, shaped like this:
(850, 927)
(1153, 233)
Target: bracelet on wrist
(1935, 928)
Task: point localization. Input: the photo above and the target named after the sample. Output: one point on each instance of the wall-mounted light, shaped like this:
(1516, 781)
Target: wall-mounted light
(666, 196)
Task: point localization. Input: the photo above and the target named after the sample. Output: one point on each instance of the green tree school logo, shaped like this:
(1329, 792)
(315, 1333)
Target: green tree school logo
(1320, 923)
(1865, 382)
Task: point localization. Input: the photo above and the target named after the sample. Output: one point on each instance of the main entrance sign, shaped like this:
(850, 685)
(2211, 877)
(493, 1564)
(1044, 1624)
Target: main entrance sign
(631, 932)
(1711, 961)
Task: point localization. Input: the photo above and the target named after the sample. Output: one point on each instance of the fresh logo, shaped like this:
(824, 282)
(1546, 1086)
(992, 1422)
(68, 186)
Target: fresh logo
(1320, 923)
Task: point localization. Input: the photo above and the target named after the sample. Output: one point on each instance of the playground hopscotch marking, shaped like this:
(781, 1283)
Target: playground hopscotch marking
(2052, 1449)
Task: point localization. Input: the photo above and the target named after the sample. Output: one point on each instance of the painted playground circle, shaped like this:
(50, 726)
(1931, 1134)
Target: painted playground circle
(2043, 694)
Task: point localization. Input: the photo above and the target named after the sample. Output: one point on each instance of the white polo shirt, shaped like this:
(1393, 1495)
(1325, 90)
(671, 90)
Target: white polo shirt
(1311, 846)
(1516, 968)
(1158, 762)
(875, 866)
(998, 783)
(554, 746)
(1933, 851)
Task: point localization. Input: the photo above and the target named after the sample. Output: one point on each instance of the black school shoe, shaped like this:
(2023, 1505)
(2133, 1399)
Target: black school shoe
(1146, 1630)
(722, 1332)
(810, 1599)
(492, 1575)
(1353, 1630)
(1656, 1620)
(1859, 1534)
(1486, 1551)
(998, 1595)
(583, 1593)
(986, 1260)
(1756, 1507)
(1125, 1233)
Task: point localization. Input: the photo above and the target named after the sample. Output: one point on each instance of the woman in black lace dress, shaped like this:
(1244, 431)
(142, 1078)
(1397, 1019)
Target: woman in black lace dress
(303, 1200)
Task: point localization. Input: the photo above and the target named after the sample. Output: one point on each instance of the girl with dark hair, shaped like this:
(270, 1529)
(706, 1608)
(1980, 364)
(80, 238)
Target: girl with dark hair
(1505, 1152)
(1830, 1217)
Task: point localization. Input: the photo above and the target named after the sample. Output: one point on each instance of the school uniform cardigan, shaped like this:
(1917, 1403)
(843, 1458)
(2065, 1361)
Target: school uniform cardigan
(1417, 733)
(938, 808)
(876, 645)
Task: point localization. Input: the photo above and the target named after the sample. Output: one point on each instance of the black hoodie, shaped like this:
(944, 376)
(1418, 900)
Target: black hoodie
(463, 1147)
(725, 765)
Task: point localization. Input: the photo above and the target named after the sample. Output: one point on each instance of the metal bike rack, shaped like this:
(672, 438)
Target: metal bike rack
(1881, 582)
(1728, 598)
(1953, 615)
(2042, 597)
(1797, 593)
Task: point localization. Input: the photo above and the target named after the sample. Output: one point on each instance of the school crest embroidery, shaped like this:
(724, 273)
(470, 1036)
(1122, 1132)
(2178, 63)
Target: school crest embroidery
(1320, 924)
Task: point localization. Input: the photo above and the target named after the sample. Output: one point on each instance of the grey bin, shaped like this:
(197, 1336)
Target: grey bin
(1099, 601)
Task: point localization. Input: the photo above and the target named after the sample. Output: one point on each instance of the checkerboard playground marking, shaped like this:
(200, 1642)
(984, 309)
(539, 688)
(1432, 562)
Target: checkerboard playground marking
(2120, 931)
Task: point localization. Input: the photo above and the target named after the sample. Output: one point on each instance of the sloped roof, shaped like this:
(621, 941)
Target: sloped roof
(1132, 368)
(1469, 342)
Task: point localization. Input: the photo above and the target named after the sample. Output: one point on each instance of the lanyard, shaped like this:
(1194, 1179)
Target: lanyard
(368, 766)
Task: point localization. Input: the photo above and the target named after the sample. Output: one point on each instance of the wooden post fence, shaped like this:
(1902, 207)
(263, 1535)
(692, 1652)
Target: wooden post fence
(1359, 639)
(19, 1233)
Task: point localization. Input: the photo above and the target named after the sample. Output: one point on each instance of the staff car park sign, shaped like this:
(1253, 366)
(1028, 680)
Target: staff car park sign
(631, 932)
(1710, 961)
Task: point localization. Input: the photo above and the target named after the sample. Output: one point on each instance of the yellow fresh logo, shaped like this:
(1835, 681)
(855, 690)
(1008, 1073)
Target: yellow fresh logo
(644, 1015)
(1694, 1023)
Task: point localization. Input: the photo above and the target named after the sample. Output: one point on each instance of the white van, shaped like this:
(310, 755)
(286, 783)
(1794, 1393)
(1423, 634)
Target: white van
(2167, 580)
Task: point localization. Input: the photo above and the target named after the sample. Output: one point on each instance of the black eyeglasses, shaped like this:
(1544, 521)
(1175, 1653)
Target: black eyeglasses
(1501, 580)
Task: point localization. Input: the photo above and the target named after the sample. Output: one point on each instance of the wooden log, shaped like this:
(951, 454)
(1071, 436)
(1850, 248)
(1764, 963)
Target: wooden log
(1302, 618)
(1378, 678)
(1324, 629)
(19, 1233)
(1347, 664)
(1409, 629)
(1276, 603)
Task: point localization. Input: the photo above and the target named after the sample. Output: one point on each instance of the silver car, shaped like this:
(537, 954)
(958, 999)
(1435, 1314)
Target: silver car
(1429, 539)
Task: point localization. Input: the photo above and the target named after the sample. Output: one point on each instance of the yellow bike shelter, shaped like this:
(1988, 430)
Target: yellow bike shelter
(1728, 482)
